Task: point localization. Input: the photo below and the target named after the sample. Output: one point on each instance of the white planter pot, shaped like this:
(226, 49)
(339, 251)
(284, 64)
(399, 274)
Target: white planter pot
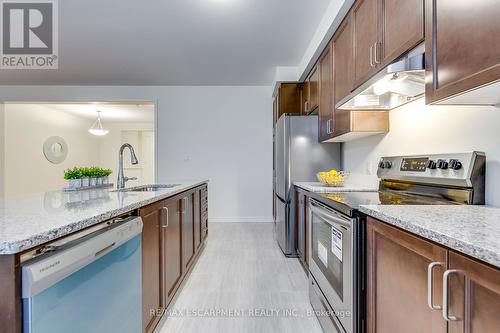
(74, 183)
(85, 182)
(105, 180)
(99, 181)
(93, 181)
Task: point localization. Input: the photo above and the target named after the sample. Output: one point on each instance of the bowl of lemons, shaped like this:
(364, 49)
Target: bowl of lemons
(333, 178)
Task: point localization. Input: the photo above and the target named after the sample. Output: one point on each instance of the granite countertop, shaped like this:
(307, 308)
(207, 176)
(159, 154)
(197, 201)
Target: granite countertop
(472, 230)
(318, 187)
(30, 220)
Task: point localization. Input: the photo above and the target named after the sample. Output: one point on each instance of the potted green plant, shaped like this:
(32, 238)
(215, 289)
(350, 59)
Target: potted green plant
(85, 177)
(74, 178)
(105, 176)
(93, 174)
(99, 175)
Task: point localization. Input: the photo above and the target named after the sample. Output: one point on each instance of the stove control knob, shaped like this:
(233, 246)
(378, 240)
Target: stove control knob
(431, 164)
(442, 164)
(455, 164)
(381, 165)
(387, 164)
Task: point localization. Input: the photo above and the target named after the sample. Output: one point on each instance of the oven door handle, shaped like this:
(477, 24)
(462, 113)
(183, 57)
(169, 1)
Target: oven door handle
(330, 217)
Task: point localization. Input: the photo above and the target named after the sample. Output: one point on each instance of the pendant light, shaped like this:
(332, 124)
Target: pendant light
(96, 128)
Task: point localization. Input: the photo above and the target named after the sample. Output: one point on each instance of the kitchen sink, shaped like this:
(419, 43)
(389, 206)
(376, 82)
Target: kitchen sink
(148, 188)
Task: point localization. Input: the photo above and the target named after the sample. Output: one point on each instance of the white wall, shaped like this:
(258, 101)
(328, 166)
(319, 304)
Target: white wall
(2, 155)
(226, 133)
(419, 129)
(327, 26)
(27, 128)
(110, 144)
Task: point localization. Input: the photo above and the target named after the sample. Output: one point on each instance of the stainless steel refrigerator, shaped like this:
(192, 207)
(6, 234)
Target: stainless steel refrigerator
(297, 158)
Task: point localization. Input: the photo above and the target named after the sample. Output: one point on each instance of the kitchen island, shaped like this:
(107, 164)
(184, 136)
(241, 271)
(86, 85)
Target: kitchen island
(29, 222)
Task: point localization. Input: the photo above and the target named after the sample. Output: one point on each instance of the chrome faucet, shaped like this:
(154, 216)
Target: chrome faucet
(120, 183)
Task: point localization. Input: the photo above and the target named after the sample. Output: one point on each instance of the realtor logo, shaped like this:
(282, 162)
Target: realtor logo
(29, 34)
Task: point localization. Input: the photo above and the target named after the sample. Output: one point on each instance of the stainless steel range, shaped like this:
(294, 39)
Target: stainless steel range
(337, 228)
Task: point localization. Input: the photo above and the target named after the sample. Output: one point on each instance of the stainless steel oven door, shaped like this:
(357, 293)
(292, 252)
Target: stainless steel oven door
(330, 259)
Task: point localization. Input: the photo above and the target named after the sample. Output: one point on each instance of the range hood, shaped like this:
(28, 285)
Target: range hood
(399, 83)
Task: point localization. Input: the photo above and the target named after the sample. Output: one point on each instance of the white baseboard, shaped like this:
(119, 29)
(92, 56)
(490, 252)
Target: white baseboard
(261, 219)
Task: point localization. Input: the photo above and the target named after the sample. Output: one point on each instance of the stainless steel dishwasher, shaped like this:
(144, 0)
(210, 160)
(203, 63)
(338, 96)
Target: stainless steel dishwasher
(88, 282)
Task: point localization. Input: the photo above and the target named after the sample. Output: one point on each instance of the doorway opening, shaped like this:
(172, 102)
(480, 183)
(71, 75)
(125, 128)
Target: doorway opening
(43, 139)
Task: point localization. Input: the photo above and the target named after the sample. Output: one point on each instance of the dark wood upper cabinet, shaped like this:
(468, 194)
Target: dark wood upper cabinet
(153, 292)
(172, 246)
(343, 60)
(187, 230)
(402, 28)
(474, 296)
(309, 93)
(461, 46)
(313, 84)
(325, 94)
(287, 99)
(397, 281)
(365, 16)
(304, 96)
(384, 30)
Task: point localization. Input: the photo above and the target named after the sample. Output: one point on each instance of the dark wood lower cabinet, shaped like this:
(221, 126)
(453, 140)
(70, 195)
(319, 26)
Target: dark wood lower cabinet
(474, 296)
(204, 212)
(171, 247)
(171, 230)
(187, 230)
(197, 219)
(153, 291)
(302, 228)
(10, 294)
(397, 265)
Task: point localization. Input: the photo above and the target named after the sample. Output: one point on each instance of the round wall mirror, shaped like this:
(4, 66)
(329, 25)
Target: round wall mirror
(55, 149)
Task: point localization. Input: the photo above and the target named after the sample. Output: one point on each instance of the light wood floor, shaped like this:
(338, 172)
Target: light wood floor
(243, 270)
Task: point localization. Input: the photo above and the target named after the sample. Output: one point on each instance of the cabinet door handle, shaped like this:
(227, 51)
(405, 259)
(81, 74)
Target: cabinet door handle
(376, 53)
(165, 209)
(446, 276)
(430, 270)
(371, 57)
(306, 106)
(329, 126)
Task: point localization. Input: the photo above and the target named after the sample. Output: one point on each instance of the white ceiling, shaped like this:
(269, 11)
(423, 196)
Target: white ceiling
(176, 42)
(110, 112)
